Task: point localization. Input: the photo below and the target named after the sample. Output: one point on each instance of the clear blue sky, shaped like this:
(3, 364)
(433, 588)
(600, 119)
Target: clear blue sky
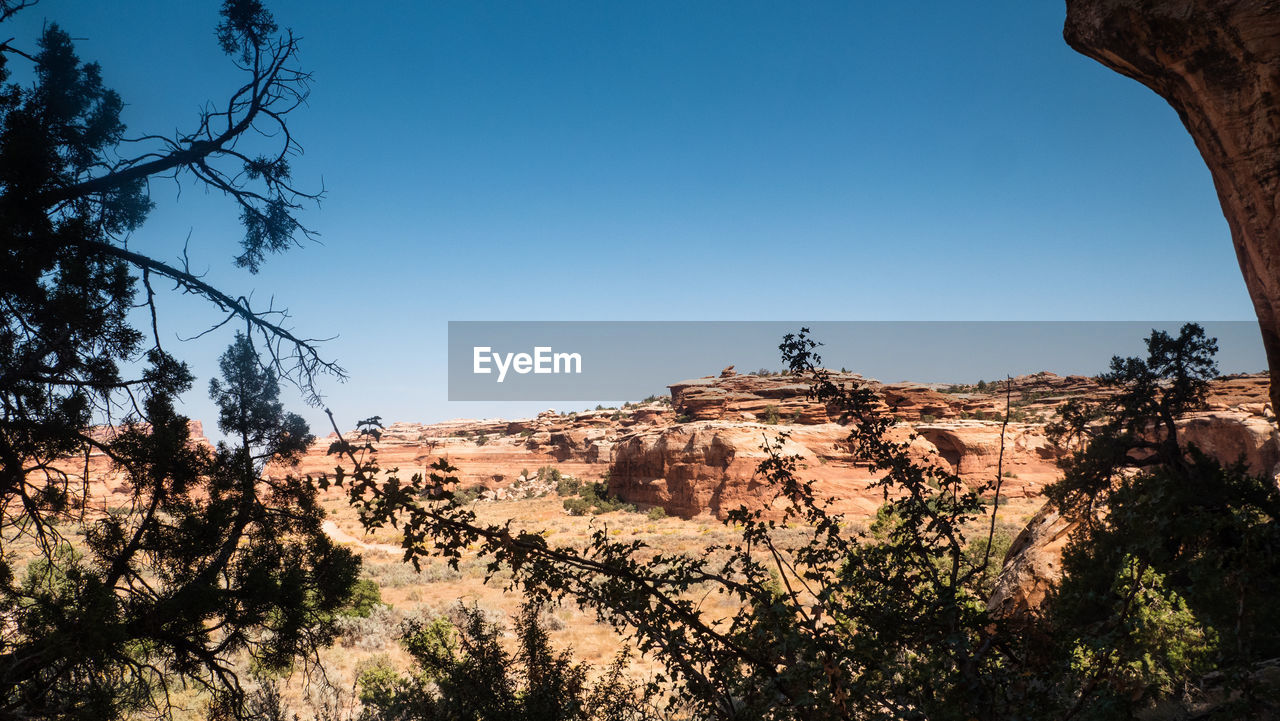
(679, 160)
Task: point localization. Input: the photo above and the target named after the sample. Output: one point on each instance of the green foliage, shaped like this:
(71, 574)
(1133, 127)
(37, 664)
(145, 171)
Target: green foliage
(770, 415)
(481, 439)
(470, 494)
(656, 513)
(365, 596)
(578, 506)
(463, 673)
(565, 485)
(594, 498)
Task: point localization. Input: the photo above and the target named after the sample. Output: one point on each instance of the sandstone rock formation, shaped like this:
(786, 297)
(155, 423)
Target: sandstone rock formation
(698, 453)
(1032, 565)
(710, 466)
(706, 461)
(493, 453)
(1217, 62)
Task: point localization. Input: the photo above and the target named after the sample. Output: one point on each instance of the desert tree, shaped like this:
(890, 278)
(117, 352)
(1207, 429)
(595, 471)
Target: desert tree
(206, 558)
(1169, 580)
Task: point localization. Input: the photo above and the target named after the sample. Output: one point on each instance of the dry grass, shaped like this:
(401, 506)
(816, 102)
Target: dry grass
(437, 588)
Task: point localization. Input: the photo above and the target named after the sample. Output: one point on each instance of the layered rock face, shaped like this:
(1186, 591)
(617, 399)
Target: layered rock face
(710, 466)
(494, 453)
(706, 461)
(1217, 62)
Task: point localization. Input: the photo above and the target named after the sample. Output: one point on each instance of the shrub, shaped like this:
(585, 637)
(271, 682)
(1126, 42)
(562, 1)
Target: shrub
(770, 415)
(567, 486)
(470, 494)
(656, 513)
(463, 671)
(594, 498)
(365, 596)
(548, 473)
(371, 633)
(577, 506)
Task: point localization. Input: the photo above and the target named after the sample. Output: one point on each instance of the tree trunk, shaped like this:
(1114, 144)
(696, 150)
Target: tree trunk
(1218, 64)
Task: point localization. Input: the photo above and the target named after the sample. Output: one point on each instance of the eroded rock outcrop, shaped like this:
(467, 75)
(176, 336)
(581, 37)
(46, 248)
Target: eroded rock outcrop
(493, 453)
(1032, 565)
(698, 453)
(682, 466)
(710, 466)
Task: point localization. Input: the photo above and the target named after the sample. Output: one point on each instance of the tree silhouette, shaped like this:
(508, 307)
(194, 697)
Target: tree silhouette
(106, 605)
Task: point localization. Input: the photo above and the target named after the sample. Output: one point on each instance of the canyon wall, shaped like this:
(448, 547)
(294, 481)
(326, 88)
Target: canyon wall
(697, 452)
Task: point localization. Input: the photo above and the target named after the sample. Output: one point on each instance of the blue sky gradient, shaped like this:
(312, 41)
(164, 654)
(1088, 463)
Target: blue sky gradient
(677, 161)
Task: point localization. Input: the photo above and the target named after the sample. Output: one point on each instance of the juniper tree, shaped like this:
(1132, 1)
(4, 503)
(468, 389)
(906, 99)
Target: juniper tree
(1169, 581)
(106, 606)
